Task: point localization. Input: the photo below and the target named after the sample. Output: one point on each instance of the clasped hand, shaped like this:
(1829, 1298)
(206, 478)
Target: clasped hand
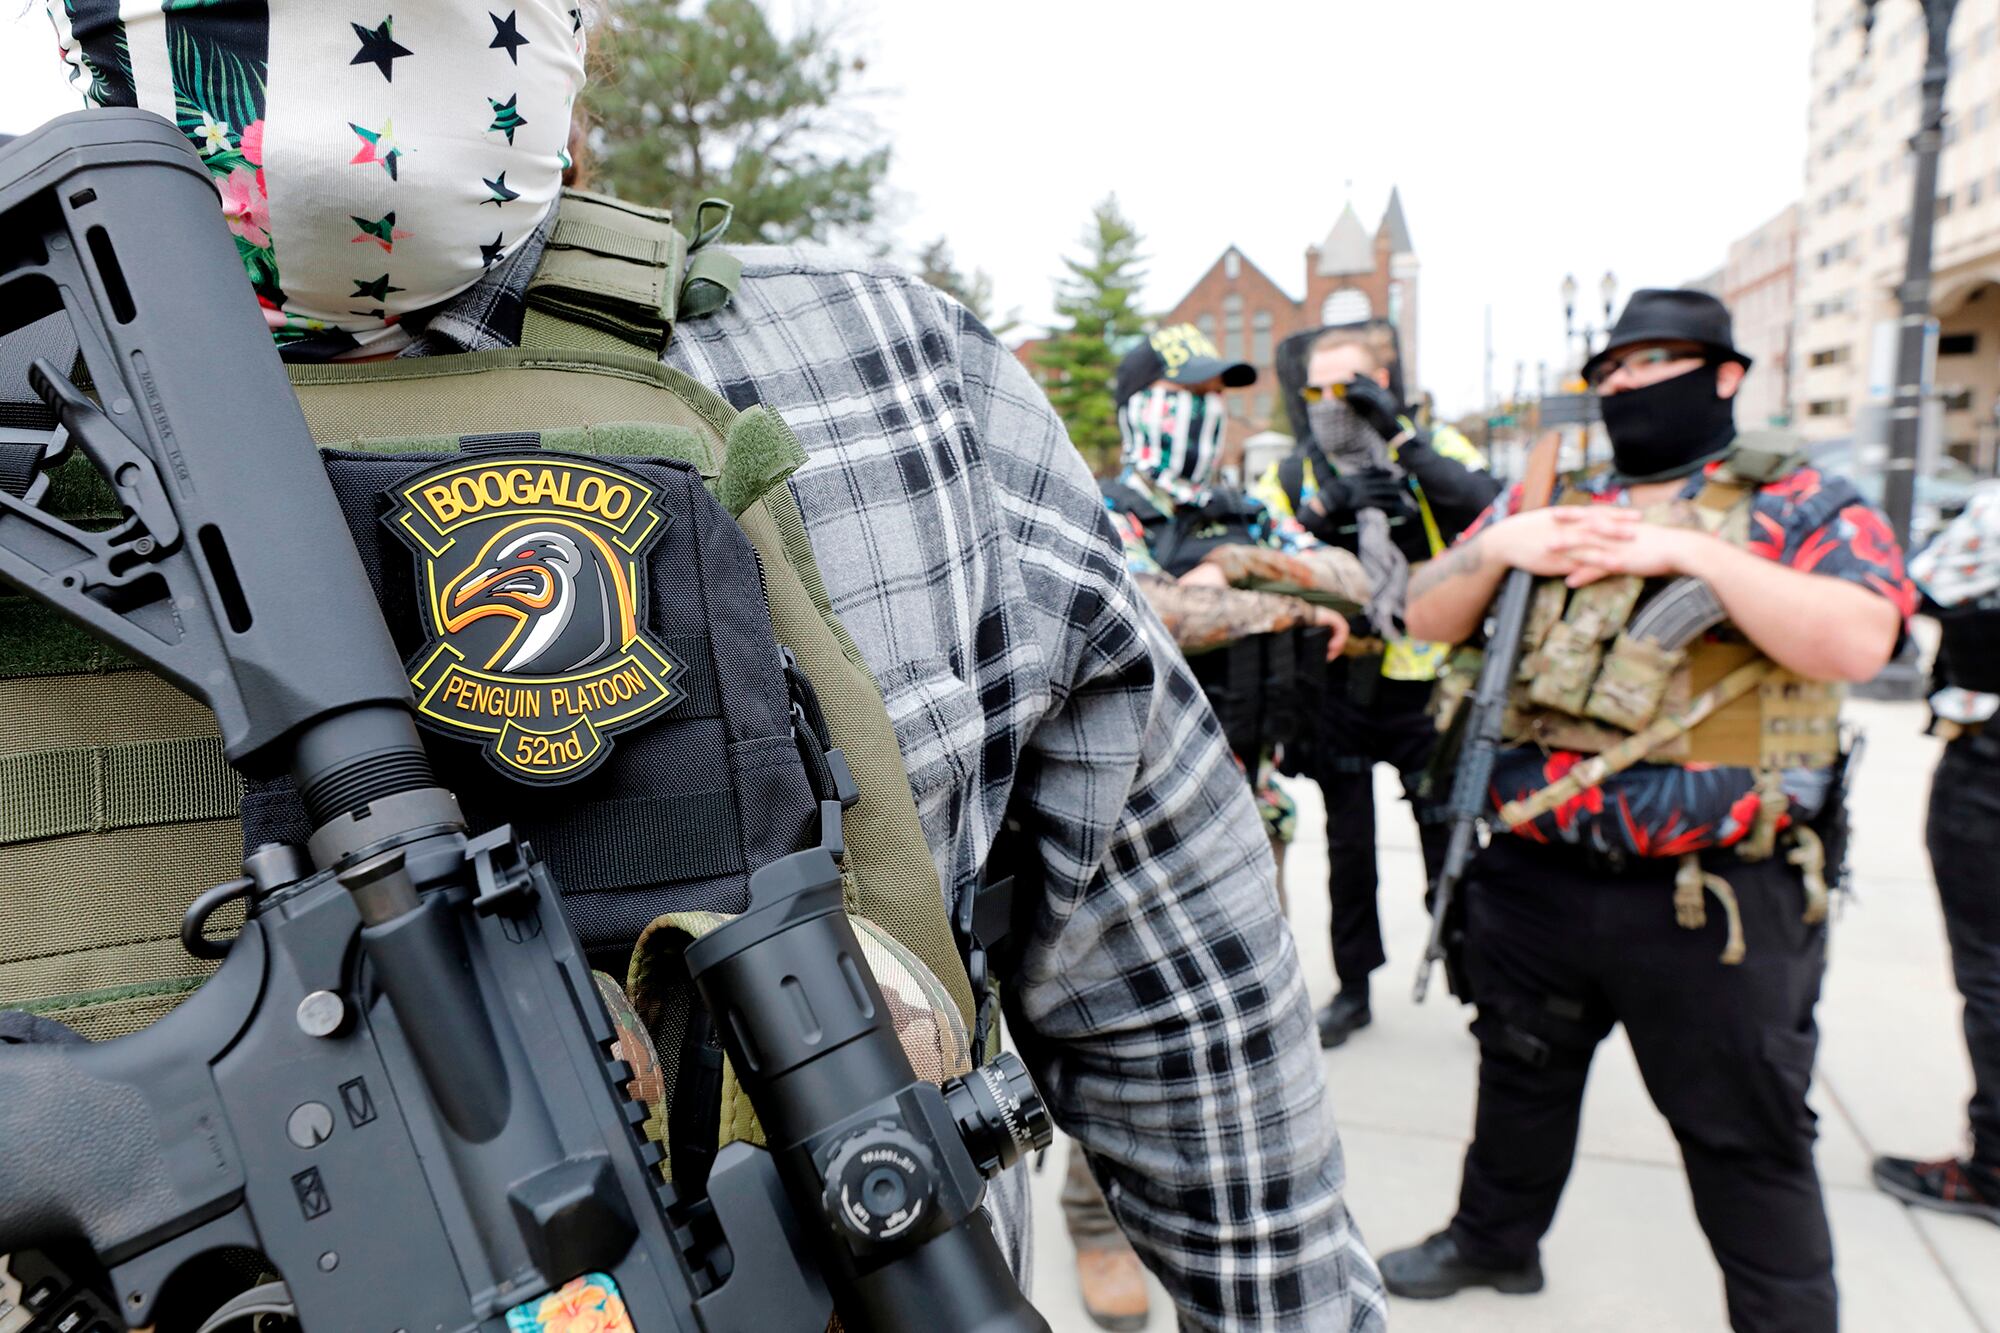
(1583, 543)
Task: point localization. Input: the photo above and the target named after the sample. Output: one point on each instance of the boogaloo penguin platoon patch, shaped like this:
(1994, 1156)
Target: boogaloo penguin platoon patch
(531, 579)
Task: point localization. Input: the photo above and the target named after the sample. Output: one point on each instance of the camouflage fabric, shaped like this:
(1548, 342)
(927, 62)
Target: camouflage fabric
(1566, 664)
(1327, 575)
(1201, 618)
(634, 1045)
(1633, 683)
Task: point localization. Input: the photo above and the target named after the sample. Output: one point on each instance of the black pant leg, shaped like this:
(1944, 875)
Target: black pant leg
(1964, 838)
(1527, 941)
(1347, 784)
(1727, 1054)
(1406, 737)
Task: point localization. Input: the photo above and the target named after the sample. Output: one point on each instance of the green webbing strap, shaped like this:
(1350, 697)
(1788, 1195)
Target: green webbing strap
(97, 788)
(712, 276)
(609, 280)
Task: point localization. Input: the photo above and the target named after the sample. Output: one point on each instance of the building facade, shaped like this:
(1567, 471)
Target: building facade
(1759, 285)
(1351, 275)
(1853, 224)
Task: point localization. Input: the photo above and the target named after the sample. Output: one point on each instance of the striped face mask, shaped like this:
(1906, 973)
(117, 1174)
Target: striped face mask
(1172, 436)
(369, 164)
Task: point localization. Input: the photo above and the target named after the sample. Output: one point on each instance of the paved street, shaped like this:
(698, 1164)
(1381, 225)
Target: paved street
(1625, 1252)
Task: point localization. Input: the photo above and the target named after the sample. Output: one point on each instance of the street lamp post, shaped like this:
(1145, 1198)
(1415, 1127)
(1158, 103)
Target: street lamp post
(1608, 289)
(1569, 311)
(1906, 416)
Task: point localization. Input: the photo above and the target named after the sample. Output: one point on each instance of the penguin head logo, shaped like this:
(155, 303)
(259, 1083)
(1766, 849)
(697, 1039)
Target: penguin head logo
(558, 591)
(532, 577)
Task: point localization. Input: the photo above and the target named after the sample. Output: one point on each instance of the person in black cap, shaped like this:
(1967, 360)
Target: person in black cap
(1666, 816)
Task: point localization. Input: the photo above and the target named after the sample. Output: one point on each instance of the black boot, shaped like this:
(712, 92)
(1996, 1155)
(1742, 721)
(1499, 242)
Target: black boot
(1947, 1185)
(1341, 1017)
(1436, 1269)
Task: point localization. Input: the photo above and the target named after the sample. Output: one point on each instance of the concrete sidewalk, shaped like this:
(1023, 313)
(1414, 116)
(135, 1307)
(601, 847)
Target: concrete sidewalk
(1625, 1252)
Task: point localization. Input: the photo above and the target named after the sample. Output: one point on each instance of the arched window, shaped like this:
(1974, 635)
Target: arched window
(1346, 306)
(1206, 323)
(1260, 338)
(1232, 327)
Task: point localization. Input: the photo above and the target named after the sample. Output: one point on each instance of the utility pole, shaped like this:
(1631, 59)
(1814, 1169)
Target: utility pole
(1487, 443)
(1906, 415)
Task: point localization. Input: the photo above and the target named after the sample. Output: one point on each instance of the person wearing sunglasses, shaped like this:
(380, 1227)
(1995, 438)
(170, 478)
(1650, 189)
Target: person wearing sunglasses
(1683, 895)
(1367, 479)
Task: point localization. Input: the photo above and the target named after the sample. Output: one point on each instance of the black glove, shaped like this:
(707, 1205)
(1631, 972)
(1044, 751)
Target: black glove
(1376, 406)
(1373, 488)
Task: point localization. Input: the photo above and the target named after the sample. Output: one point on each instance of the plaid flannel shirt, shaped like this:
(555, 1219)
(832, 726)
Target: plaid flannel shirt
(965, 547)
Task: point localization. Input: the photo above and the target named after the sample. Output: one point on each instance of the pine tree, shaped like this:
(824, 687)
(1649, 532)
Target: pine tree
(1099, 301)
(707, 98)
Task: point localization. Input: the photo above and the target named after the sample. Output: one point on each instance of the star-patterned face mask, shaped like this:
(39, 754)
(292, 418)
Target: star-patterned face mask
(371, 162)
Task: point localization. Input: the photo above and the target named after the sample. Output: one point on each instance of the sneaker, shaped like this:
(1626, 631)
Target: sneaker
(1113, 1286)
(1341, 1017)
(1949, 1185)
(1435, 1269)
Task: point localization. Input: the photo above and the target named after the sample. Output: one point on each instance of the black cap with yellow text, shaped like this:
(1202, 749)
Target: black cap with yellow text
(1182, 354)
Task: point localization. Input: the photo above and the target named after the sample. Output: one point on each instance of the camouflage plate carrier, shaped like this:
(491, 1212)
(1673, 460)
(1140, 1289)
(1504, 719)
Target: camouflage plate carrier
(117, 807)
(1626, 670)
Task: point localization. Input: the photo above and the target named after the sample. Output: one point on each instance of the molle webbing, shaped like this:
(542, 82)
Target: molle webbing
(615, 277)
(116, 809)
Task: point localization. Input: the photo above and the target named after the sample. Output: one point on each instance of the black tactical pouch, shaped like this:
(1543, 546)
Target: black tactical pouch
(679, 806)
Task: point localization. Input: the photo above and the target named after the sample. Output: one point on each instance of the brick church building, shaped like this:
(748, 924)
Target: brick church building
(1350, 275)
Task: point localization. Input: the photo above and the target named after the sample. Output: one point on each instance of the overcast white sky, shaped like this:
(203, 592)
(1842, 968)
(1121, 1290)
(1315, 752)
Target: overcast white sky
(1530, 139)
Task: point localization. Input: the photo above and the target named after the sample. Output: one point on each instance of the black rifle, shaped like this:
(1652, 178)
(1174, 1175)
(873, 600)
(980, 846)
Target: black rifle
(399, 1087)
(1478, 725)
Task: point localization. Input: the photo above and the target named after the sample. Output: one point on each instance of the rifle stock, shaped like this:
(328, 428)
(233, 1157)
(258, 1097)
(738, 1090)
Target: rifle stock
(1486, 708)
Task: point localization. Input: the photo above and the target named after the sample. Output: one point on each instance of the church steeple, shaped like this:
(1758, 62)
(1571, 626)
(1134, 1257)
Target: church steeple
(1394, 227)
(1347, 249)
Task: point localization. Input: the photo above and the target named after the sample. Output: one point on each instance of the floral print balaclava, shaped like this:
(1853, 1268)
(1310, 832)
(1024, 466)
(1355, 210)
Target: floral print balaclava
(371, 162)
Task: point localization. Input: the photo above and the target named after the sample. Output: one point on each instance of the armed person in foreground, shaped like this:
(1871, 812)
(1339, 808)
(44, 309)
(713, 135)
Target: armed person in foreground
(991, 665)
(1667, 796)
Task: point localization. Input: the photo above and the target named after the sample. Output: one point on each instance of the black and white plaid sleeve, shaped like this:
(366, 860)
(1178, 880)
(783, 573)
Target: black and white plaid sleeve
(964, 544)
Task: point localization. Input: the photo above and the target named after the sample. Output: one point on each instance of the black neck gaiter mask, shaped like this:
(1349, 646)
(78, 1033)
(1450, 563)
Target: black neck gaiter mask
(1670, 429)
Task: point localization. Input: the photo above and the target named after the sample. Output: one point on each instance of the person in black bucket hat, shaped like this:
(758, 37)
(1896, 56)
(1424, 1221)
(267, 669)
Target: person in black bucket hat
(1675, 884)
(1677, 368)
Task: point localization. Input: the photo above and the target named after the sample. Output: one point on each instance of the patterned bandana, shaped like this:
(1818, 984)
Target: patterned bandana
(1171, 436)
(370, 164)
(1353, 446)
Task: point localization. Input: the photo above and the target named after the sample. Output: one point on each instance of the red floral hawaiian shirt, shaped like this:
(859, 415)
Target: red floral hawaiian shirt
(1810, 520)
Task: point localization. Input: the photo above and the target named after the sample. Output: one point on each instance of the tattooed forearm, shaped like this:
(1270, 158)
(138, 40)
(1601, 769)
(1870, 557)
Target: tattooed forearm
(1466, 558)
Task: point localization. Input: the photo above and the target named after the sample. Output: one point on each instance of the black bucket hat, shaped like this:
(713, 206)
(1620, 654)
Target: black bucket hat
(1657, 314)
